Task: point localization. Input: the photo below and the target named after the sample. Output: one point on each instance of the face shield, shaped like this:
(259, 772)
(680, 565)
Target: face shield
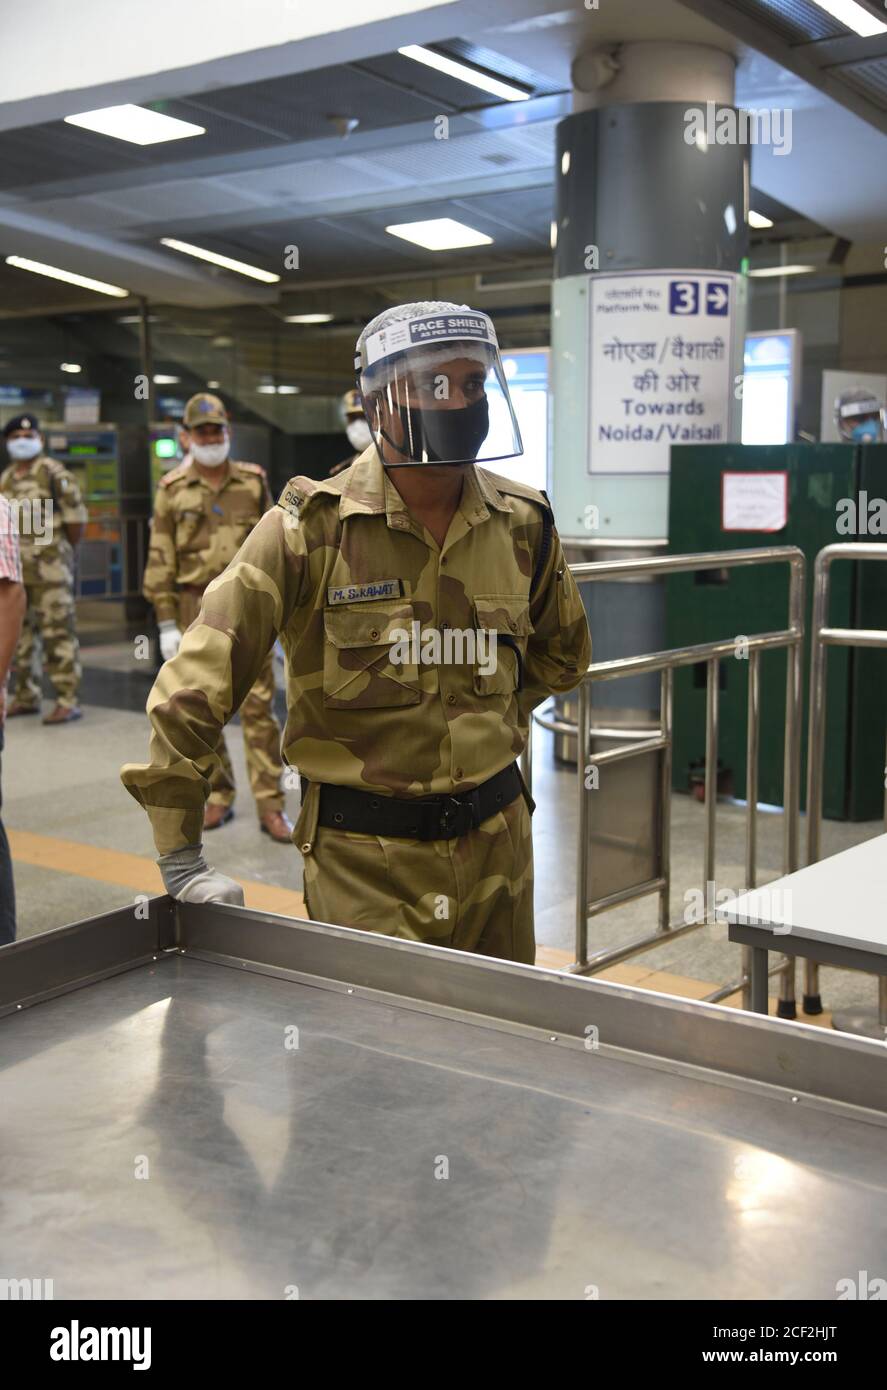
(435, 391)
(859, 417)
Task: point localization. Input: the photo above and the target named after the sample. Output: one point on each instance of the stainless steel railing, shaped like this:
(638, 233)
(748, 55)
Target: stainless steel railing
(821, 638)
(666, 662)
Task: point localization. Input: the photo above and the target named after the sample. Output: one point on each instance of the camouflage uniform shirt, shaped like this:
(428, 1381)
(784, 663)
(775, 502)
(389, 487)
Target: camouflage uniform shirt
(45, 481)
(196, 529)
(337, 569)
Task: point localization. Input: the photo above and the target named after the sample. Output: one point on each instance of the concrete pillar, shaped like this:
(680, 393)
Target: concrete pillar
(638, 191)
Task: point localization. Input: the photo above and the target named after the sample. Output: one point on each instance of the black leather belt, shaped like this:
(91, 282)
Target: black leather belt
(417, 818)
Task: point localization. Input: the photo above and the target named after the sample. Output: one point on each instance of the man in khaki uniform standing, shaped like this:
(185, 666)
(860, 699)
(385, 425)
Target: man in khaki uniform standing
(424, 607)
(204, 510)
(50, 517)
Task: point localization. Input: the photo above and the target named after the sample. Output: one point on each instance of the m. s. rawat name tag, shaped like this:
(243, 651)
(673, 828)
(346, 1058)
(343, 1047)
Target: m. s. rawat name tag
(363, 593)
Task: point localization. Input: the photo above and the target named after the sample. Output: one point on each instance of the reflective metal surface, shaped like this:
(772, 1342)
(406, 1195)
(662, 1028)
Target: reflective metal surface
(430, 1136)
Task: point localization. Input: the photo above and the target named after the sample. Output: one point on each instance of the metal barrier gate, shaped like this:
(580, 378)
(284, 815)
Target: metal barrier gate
(821, 638)
(660, 746)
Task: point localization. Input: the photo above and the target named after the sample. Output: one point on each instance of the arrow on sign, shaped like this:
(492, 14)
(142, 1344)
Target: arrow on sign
(716, 299)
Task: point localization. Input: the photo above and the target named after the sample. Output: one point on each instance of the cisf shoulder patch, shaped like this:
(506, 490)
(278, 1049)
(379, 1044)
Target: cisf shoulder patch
(291, 499)
(364, 593)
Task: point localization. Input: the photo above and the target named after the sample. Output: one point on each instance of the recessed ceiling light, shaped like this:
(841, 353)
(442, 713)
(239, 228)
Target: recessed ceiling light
(474, 76)
(161, 380)
(137, 124)
(439, 234)
(71, 367)
(226, 262)
(856, 17)
(307, 318)
(763, 272)
(53, 273)
(757, 219)
(137, 318)
(270, 390)
(212, 385)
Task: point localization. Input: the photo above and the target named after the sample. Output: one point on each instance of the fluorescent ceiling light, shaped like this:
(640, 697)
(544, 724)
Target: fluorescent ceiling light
(439, 234)
(474, 76)
(71, 367)
(757, 219)
(212, 385)
(136, 124)
(161, 380)
(226, 262)
(856, 17)
(269, 390)
(53, 273)
(137, 318)
(307, 318)
(767, 270)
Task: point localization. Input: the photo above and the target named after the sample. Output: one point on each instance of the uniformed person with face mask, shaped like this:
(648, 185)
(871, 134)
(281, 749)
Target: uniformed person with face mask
(859, 417)
(424, 607)
(356, 428)
(50, 517)
(204, 510)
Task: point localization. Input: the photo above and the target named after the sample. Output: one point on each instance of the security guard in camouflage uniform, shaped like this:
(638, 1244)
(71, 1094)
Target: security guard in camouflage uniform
(204, 509)
(415, 822)
(50, 517)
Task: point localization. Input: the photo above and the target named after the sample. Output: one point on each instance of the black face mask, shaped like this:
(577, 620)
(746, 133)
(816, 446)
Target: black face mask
(446, 436)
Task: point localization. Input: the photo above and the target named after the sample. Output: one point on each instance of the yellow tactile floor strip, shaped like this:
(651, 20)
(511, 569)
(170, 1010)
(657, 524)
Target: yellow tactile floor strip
(132, 870)
(143, 876)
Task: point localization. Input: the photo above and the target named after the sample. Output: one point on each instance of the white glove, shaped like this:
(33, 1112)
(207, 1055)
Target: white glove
(188, 877)
(170, 638)
(212, 887)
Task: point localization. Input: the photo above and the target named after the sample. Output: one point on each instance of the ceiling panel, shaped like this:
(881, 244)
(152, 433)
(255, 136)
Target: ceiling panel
(869, 79)
(796, 20)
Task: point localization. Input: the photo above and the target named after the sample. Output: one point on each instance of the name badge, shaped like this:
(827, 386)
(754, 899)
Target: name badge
(363, 593)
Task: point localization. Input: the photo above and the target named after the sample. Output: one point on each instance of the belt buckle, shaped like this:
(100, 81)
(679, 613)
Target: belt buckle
(450, 808)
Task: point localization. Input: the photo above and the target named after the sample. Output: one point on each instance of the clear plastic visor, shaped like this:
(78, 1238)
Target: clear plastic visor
(446, 405)
(874, 421)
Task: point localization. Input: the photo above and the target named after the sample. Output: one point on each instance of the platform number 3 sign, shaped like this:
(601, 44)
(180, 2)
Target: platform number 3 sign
(683, 297)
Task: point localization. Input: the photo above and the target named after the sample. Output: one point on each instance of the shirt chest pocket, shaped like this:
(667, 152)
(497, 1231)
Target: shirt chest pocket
(362, 651)
(503, 630)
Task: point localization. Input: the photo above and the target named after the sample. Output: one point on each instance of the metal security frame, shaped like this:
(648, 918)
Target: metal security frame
(821, 638)
(791, 638)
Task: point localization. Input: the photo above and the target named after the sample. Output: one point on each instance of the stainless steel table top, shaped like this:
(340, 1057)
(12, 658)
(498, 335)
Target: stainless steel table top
(163, 1138)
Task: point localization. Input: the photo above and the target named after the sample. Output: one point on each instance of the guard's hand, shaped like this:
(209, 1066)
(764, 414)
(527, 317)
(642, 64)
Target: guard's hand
(212, 887)
(188, 877)
(170, 638)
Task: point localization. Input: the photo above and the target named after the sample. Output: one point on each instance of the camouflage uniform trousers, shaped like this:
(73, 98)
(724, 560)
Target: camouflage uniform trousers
(50, 614)
(472, 893)
(261, 734)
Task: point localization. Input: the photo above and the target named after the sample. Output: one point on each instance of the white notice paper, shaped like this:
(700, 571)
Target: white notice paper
(754, 501)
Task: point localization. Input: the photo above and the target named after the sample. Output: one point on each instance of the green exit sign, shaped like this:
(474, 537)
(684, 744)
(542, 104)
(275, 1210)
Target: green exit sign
(165, 448)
